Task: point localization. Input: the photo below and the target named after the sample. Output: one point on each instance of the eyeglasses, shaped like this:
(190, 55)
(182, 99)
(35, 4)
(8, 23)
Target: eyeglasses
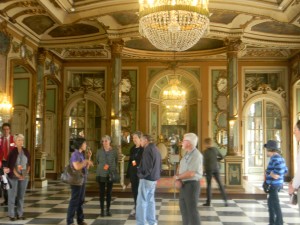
(184, 140)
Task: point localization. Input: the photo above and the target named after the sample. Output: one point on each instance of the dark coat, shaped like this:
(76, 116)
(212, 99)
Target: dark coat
(150, 166)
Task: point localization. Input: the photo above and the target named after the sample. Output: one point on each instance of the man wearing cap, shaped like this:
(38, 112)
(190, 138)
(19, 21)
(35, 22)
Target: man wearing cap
(274, 176)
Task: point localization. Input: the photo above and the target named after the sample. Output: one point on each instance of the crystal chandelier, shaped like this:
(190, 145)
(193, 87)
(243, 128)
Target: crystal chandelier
(173, 25)
(173, 97)
(5, 108)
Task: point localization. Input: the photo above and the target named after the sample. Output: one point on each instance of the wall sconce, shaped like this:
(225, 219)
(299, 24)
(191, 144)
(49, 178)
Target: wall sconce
(5, 108)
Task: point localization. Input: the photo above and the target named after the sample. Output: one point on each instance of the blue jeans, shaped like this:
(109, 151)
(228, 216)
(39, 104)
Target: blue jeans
(75, 204)
(145, 208)
(275, 215)
(16, 195)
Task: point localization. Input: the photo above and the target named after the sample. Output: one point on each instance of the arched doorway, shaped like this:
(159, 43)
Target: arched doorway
(265, 118)
(84, 116)
(164, 122)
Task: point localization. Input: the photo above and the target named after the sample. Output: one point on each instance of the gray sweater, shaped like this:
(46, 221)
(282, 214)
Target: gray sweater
(102, 158)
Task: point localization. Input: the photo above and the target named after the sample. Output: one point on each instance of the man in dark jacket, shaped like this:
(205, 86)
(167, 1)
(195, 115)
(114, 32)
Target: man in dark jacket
(211, 165)
(148, 172)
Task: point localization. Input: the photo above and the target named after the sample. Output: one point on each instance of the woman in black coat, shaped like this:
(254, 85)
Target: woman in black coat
(136, 153)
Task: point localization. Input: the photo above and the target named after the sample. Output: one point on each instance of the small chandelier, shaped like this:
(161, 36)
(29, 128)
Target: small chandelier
(5, 108)
(173, 25)
(173, 97)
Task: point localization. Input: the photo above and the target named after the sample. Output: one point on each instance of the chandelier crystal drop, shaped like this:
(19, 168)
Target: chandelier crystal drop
(173, 25)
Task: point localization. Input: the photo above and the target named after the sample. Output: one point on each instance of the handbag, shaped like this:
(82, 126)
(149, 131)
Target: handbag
(294, 199)
(114, 177)
(266, 187)
(72, 176)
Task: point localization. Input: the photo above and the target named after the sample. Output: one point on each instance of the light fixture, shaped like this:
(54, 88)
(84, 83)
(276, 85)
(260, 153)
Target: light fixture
(173, 25)
(5, 108)
(174, 98)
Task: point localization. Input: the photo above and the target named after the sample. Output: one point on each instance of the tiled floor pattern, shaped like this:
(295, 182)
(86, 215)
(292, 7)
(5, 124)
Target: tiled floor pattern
(49, 206)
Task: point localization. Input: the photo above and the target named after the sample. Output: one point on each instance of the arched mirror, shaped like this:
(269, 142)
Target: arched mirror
(221, 137)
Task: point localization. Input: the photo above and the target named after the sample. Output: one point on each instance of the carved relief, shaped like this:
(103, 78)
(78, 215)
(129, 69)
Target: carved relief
(264, 89)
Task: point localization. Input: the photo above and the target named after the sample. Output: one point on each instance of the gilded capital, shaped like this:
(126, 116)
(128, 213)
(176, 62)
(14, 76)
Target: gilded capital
(116, 47)
(234, 46)
(41, 55)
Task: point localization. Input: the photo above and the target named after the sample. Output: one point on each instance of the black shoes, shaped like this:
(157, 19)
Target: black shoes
(206, 204)
(108, 213)
(102, 213)
(21, 218)
(12, 218)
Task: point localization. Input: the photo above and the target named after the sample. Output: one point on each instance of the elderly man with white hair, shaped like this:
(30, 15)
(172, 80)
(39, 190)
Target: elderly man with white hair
(190, 172)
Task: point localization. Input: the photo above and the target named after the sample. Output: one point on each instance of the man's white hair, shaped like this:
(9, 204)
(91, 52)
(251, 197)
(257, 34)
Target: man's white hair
(192, 138)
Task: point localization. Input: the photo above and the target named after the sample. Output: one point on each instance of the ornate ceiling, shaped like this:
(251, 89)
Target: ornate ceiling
(72, 28)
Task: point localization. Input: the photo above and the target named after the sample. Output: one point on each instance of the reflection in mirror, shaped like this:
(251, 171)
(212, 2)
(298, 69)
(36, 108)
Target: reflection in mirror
(221, 137)
(221, 119)
(222, 84)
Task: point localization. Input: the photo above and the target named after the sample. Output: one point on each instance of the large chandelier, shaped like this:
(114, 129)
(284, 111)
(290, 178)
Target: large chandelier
(173, 25)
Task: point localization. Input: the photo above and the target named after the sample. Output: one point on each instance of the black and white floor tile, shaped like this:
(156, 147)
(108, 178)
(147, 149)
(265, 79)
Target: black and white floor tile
(49, 206)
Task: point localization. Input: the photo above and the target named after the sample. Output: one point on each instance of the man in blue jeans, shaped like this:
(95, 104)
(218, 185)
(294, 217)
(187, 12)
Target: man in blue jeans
(148, 172)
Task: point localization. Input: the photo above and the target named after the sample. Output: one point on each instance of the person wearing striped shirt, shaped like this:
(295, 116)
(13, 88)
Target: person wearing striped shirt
(274, 176)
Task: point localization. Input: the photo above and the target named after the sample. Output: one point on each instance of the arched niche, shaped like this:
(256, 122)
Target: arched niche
(157, 117)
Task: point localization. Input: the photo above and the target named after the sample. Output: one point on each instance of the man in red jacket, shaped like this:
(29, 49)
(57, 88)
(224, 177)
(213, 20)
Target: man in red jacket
(6, 145)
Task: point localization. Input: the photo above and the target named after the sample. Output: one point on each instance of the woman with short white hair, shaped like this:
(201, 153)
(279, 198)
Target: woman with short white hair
(19, 165)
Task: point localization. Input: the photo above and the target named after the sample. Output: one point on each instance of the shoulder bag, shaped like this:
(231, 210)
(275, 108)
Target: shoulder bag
(114, 176)
(266, 187)
(72, 176)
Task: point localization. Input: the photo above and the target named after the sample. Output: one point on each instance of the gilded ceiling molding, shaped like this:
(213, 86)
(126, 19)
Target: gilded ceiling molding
(23, 4)
(296, 2)
(55, 4)
(25, 12)
(270, 43)
(264, 53)
(160, 55)
(85, 53)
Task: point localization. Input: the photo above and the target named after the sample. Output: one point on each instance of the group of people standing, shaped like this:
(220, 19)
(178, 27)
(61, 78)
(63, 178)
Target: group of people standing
(15, 166)
(143, 171)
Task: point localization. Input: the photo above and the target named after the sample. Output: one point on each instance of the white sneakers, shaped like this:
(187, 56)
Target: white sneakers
(132, 213)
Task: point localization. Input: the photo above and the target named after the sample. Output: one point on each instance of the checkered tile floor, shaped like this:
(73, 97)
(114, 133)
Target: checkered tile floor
(49, 206)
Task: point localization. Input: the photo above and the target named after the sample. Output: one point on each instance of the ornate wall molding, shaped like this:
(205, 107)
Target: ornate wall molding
(264, 89)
